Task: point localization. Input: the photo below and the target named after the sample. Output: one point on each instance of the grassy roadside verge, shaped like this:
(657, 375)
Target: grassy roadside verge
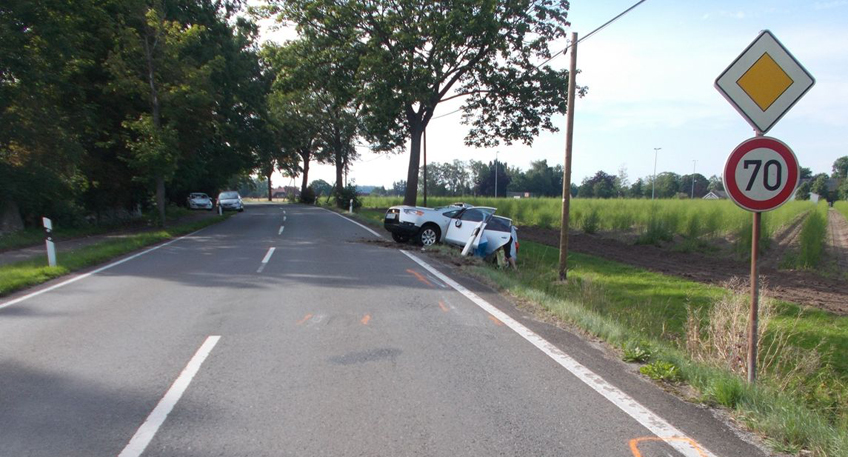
(676, 328)
(842, 207)
(17, 276)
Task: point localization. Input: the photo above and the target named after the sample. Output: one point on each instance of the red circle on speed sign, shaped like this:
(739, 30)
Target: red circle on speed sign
(761, 174)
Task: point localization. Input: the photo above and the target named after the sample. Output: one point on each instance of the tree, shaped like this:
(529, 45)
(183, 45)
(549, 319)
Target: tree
(415, 55)
(840, 168)
(601, 185)
(805, 173)
(399, 188)
(819, 185)
(803, 191)
(321, 187)
(715, 184)
(701, 185)
(667, 185)
(637, 189)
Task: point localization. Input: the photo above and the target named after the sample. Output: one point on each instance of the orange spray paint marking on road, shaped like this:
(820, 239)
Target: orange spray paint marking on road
(366, 319)
(444, 308)
(305, 318)
(634, 444)
(495, 320)
(420, 277)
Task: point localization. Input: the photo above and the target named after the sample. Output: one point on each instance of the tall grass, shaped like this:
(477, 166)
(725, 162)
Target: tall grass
(813, 237)
(842, 207)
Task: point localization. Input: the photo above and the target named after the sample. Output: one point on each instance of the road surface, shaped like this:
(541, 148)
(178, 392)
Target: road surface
(280, 333)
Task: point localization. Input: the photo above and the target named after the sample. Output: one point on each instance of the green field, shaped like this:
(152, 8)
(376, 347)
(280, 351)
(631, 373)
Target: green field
(842, 207)
(657, 220)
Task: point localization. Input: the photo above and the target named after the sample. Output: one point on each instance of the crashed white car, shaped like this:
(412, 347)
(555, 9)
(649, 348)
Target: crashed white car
(454, 224)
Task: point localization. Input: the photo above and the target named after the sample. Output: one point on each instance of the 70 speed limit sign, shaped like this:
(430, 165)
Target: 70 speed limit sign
(761, 174)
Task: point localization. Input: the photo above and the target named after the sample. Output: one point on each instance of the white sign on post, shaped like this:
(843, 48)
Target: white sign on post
(764, 82)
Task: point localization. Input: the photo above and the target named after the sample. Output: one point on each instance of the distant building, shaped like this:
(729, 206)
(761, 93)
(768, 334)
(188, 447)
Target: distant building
(716, 195)
(285, 192)
(518, 195)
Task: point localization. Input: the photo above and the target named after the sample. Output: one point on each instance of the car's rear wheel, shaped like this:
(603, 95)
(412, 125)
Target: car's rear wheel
(428, 235)
(400, 238)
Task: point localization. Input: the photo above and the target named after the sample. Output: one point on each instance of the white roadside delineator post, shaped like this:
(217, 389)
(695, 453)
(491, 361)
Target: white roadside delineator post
(48, 240)
(351, 207)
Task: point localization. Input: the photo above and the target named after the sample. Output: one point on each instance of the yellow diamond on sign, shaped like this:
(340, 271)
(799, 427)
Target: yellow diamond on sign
(765, 82)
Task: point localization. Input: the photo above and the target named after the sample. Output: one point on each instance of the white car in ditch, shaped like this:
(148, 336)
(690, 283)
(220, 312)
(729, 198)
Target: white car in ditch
(454, 224)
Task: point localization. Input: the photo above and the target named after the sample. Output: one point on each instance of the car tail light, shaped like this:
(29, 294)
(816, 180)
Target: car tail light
(516, 247)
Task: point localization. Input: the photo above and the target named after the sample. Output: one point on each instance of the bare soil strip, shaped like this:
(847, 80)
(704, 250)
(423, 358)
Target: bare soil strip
(837, 239)
(800, 287)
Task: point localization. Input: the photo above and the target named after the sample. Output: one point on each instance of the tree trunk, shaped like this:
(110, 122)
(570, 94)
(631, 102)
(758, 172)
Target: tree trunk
(411, 194)
(160, 198)
(10, 216)
(270, 188)
(305, 155)
(340, 163)
(157, 120)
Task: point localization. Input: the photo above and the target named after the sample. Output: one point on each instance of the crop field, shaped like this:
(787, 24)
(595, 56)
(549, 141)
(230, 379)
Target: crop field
(842, 207)
(662, 219)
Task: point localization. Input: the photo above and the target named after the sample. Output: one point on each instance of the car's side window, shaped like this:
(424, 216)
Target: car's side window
(451, 213)
(472, 215)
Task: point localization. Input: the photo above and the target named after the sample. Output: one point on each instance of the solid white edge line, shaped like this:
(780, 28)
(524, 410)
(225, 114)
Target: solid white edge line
(138, 443)
(85, 275)
(353, 221)
(634, 409)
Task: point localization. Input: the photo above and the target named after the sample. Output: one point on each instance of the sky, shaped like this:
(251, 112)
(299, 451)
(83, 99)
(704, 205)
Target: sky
(651, 79)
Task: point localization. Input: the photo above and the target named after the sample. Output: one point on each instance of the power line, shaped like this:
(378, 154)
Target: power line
(566, 48)
(593, 32)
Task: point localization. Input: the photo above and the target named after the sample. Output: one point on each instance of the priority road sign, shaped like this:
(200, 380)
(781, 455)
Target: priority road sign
(764, 82)
(761, 174)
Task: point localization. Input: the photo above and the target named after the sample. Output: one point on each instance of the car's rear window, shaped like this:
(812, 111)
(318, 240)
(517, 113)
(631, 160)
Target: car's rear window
(199, 196)
(228, 195)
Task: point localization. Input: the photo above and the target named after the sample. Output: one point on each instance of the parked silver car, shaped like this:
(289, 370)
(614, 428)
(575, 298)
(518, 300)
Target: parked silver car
(199, 200)
(230, 200)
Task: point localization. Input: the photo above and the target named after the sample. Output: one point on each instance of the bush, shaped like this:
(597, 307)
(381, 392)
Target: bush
(661, 371)
(344, 196)
(308, 197)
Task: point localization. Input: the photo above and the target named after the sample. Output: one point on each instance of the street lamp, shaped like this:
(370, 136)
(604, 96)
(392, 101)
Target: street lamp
(654, 181)
(694, 162)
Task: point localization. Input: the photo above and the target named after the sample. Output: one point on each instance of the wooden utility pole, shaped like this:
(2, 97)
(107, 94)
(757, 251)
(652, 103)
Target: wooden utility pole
(566, 174)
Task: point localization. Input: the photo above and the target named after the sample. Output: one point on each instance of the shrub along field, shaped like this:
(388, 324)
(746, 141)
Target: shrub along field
(654, 220)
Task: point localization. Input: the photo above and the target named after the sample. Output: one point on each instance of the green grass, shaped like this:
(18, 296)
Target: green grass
(842, 207)
(17, 276)
(812, 238)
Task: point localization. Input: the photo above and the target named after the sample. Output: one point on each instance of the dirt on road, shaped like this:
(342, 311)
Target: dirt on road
(800, 287)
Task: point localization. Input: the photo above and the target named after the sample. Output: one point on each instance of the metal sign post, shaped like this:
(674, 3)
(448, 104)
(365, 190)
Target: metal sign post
(48, 241)
(762, 84)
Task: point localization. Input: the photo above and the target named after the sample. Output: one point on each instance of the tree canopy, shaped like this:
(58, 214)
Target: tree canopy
(414, 55)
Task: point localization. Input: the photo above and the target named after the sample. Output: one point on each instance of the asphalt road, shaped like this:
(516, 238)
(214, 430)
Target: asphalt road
(279, 332)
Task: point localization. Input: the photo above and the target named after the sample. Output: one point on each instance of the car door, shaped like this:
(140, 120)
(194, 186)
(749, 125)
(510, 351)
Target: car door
(462, 226)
